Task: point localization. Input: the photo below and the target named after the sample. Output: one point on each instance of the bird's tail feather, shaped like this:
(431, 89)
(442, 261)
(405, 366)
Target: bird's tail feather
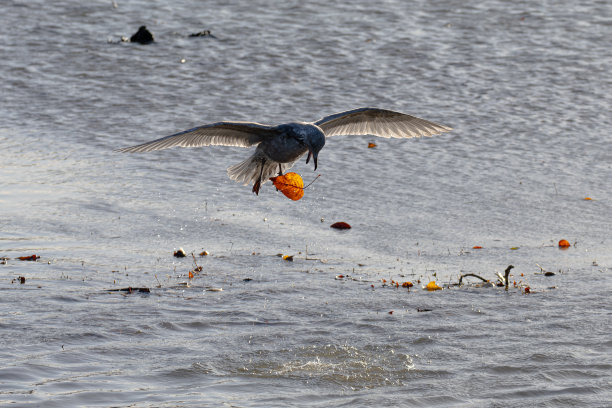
(248, 171)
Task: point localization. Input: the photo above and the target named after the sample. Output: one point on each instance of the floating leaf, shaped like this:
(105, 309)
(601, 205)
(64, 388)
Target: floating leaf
(180, 253)
(514, 248)
(288, 258)
(340, 225)
(28, 258)
(290, 184)
(564, 243)
(587, 198)
(407, 285)
(190, 274)
(476, 247)
(431, 286)
(371, 145)
(204, 253)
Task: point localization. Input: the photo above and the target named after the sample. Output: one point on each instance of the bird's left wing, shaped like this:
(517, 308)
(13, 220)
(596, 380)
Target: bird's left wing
(378, 122)
(241, 134)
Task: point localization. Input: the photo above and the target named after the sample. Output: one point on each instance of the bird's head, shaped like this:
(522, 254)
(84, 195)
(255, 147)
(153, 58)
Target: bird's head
(315, 142)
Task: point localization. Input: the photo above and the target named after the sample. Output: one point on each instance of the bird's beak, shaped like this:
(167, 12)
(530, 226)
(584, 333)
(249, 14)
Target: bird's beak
(314, 158)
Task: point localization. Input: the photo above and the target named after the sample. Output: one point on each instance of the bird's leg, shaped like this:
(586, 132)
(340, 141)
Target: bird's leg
(257, 184)
(280, 170)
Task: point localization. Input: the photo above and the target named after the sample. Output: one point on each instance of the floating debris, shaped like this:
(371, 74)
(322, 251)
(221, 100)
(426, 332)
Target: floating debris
(341, 225)
(431, 286)
(28, 258)
(130, 290)
(180, 253)
(203, 33)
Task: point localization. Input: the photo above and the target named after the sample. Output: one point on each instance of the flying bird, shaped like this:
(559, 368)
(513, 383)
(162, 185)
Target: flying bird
(279, 147)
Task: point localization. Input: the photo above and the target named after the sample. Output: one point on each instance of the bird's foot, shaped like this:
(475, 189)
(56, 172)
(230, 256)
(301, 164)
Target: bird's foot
(256, 186)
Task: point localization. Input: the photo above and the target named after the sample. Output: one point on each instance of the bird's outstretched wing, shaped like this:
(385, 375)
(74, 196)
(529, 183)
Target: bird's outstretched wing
(241, 134)
(378, 122)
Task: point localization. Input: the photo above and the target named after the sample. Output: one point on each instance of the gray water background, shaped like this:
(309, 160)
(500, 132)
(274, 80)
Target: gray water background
(526, 87)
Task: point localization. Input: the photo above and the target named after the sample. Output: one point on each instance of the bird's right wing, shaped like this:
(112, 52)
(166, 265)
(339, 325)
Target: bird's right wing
(378, 122)
(241, 134)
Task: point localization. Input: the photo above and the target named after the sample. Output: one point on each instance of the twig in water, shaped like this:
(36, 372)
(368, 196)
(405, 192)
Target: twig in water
(506, 274)
(471, 274)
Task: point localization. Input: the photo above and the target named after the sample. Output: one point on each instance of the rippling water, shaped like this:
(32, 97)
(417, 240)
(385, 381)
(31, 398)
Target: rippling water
(526, 89)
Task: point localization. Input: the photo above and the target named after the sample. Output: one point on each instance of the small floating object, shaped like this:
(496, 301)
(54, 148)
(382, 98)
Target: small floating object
(423, 310)
(203, 253)
(131, 290)
(431, 286)
(211, 289)
(180, 253)
(514, 248)
(28, 258)
(527, 289)
(407, 285)
(476, 247)
(203, 33)
(339, 277)
(588, 199)
(564, 243)
(340, 225)
(371, 145)
(549, 274)
(288, 258)
(142, 36)
(21, 279)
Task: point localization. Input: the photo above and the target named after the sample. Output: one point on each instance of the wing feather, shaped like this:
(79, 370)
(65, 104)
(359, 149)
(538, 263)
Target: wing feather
(378, 122)
(241, 134)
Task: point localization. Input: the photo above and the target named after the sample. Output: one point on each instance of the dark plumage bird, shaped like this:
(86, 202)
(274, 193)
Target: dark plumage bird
(142, 36)
(279, 147)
